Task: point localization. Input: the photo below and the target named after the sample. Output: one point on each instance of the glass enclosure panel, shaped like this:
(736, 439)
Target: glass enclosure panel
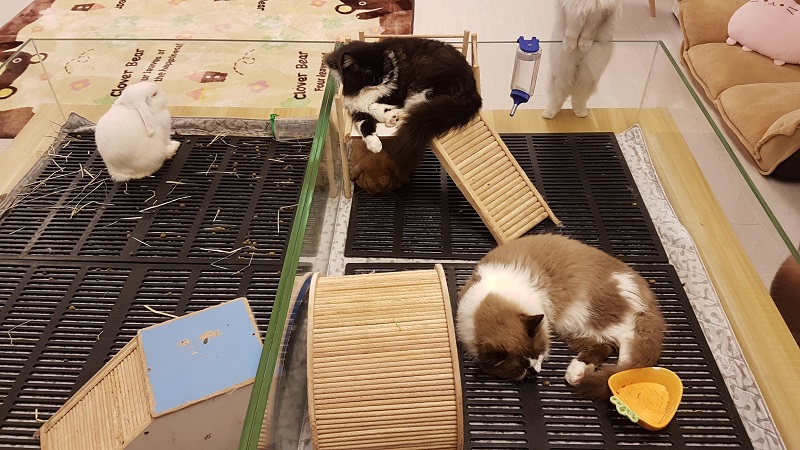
(636, 81)
(761, 217)
(28, 67)
(202, 78)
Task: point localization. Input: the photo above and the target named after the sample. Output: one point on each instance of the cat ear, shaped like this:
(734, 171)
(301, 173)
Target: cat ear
(331, 61)
(347, 60)
(532, 323)
(369, 76)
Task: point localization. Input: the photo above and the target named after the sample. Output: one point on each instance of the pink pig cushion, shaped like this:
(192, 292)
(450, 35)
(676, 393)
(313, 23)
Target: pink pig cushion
(768, 27)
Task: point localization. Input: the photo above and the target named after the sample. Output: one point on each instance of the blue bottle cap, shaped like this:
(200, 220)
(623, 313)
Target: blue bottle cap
(528, 45)
(519, 97)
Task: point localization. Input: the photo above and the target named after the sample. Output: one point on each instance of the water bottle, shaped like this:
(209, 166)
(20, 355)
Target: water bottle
(526, 69)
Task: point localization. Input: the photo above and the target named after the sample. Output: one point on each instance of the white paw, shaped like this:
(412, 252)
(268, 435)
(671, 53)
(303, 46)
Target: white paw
(172, 148)
(570, 43)
(549, 113)
(585, 44)
(580, 112)
(393, 117)
(383, 112)
(731, 41)
(373, 143)
(575, 372)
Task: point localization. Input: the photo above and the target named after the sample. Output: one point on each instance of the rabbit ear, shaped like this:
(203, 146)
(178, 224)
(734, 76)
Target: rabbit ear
(137, 96)
(143, 108)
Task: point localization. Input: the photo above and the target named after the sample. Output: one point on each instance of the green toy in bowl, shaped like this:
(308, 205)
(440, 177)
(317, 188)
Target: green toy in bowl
(648, 396)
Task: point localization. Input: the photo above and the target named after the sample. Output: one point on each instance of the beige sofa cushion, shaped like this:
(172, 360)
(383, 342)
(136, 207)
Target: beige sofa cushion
(766, 117)
(705, 21)
(718, 67)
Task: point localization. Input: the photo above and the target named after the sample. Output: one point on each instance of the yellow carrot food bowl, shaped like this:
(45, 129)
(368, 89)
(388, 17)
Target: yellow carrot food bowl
(648, 396)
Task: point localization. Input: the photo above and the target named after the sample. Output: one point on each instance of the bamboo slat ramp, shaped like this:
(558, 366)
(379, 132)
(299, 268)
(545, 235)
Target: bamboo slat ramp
(382, 363)
(489, 176)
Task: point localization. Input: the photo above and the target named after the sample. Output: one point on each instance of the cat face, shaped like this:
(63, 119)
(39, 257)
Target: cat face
(360, 65)
(514, 350)
(789, 6)
(768, 27)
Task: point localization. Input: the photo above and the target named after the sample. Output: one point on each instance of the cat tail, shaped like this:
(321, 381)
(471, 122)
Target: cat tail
(644, 352)
(427, 120)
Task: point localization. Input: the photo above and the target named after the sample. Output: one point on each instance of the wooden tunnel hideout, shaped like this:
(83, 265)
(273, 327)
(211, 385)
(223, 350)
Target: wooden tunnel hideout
(382, 362)
(183, 384)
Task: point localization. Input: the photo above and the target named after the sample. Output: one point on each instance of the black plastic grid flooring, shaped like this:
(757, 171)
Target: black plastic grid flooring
(74, 279)
(217, 194)
(61, 322)
(583, 177)
(501, 414)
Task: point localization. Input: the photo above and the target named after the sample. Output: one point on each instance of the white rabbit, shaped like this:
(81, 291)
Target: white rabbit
(133, 136)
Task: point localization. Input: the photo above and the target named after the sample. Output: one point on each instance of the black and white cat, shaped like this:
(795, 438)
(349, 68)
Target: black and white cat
(425, 85)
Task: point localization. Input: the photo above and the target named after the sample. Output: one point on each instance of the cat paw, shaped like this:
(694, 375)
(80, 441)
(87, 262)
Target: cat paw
(384, 113)
(778, 62)
(730, 41)
(570, 43)
(393, 117)
(549, 113)
(373, 143)
(747, 49)
(172, 148)
(585, 44)
(580, 112)
(575, 372)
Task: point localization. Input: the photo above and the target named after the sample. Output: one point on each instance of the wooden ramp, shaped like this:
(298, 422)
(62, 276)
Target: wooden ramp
(487, 174)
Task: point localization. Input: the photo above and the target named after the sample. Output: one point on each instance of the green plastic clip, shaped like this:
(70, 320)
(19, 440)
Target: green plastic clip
(624, 410)
(272, 125)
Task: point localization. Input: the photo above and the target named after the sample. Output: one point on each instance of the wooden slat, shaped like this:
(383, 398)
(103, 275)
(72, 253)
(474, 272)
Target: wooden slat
(486, 142)
(400, 370)
(84, 422)
(474, 159)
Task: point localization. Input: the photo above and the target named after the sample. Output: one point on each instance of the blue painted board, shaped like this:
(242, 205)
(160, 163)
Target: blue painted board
(200, 354)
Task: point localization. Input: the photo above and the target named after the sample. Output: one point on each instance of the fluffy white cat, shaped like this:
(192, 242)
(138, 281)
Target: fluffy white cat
(585, 27)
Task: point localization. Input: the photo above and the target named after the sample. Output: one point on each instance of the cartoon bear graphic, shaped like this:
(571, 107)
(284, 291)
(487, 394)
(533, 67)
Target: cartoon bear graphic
(396, 16)
(15, 67)
(373, 9)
